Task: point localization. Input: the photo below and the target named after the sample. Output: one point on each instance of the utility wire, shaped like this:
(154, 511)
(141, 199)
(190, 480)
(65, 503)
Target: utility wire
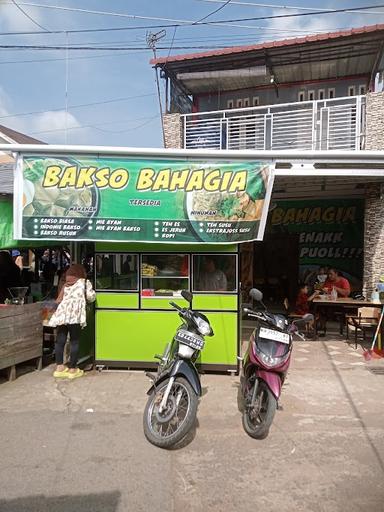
(28, 16)
(121, 48)
(213, 12)
(181, 23)
(81, 105)
(275, 6)
(96, 126)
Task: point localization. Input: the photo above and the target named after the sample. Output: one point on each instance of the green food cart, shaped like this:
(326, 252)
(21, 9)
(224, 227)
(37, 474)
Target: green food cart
(156, 222)
(135, 283)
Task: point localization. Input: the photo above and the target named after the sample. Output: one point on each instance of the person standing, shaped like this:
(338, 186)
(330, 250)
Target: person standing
(70, 317)
(9, 275)
(212, 279)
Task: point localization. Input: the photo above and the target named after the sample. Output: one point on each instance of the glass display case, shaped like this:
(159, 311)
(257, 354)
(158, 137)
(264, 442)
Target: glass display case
(116, 271)
(164, 275)
(214, 273)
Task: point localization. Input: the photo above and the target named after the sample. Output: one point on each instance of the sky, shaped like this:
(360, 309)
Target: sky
(108, 95)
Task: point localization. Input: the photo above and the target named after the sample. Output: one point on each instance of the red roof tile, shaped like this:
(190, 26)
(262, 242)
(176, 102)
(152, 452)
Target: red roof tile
(272, 44)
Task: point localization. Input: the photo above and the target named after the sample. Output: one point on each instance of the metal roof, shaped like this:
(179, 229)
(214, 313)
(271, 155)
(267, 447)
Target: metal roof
(317, 57)
(9, 135)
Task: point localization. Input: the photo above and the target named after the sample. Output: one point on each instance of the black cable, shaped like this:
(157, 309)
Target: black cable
(28, 16)
(213, 12)
(193, 23)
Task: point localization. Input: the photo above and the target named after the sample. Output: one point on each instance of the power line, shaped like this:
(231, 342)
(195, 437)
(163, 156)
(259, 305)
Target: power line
(81, 105)
(96, 126)
(106, 48)
(28, 16)
(30, 61)
(181, 23)
(275, 6)
(213, 12)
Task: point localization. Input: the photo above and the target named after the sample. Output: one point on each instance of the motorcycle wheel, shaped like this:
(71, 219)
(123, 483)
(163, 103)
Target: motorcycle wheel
(172, 425)
(258, 419)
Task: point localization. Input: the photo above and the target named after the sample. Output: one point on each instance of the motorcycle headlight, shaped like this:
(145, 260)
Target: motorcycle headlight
(203, 326)
(185, 351)
(272, 361)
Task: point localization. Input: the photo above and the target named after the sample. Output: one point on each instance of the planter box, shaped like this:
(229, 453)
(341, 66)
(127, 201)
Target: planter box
(21, 335)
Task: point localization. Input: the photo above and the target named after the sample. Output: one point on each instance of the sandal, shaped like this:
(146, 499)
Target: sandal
(61, 375)
(76, 374)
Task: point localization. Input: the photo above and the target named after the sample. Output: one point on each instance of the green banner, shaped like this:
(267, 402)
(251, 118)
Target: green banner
(330, 234)
(124, 199)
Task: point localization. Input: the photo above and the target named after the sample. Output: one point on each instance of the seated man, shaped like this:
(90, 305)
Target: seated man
(340, 284)
(342, 287)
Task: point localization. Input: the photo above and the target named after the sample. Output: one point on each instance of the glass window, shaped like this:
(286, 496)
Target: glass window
(331, 93)
(301, 96)
(116, 271)
(164, 275)
(215, 273)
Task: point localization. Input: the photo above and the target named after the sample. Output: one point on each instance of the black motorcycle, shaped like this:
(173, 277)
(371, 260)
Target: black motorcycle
(171, 409)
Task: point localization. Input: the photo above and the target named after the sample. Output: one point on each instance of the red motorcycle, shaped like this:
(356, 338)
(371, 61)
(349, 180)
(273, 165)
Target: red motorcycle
(265, 366)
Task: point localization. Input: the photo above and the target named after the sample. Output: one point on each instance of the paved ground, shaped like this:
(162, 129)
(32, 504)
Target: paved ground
(79, 446)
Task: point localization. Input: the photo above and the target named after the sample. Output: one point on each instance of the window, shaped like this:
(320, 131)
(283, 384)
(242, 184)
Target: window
(116, 271)
(351, 90)
(302, 96)
(362, 89)
(239, 104)
(230, 104)
(331, 93)
(256, 101)
(246, 102)
(164, 275)
(214, 273)
(321, 94)
(311, 95)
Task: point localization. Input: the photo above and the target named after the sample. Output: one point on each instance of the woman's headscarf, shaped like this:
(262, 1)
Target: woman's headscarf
(72, 275)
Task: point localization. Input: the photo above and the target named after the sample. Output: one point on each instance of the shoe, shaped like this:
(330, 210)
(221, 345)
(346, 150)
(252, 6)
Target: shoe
(76, 374)
(61, 375)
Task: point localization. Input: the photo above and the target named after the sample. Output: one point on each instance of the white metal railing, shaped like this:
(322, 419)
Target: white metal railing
(323, 124)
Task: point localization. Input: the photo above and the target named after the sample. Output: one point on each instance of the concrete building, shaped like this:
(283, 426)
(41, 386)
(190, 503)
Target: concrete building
(314, 93)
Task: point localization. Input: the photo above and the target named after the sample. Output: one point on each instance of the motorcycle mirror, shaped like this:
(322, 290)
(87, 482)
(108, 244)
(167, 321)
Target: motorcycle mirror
(188, 296)
(256, 294)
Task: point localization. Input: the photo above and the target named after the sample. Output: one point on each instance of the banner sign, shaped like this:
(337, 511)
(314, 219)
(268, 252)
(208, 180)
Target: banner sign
(124, 199)
(331, 234)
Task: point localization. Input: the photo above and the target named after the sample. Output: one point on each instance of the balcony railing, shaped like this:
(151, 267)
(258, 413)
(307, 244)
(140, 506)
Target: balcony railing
(323, 124)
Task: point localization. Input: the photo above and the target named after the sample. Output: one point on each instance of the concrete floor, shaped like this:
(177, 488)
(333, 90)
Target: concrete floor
(79, 445)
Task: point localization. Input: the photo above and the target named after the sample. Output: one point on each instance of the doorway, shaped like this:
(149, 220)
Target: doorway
(276, 268)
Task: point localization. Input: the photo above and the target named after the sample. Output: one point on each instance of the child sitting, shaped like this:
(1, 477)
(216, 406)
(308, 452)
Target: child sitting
(302, 306)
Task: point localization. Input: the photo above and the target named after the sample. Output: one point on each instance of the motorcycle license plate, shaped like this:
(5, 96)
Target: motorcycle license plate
(270, 334)
(190, 340)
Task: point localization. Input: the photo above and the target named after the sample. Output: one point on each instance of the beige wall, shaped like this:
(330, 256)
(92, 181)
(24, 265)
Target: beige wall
(374, 127)
(173, 131)
(374, 204)
(373, 237)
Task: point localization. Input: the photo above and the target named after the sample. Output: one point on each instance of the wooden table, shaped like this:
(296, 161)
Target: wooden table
(343, 303)
(21, 336)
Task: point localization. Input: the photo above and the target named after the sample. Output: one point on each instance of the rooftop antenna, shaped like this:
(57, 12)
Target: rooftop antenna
(152, 39)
